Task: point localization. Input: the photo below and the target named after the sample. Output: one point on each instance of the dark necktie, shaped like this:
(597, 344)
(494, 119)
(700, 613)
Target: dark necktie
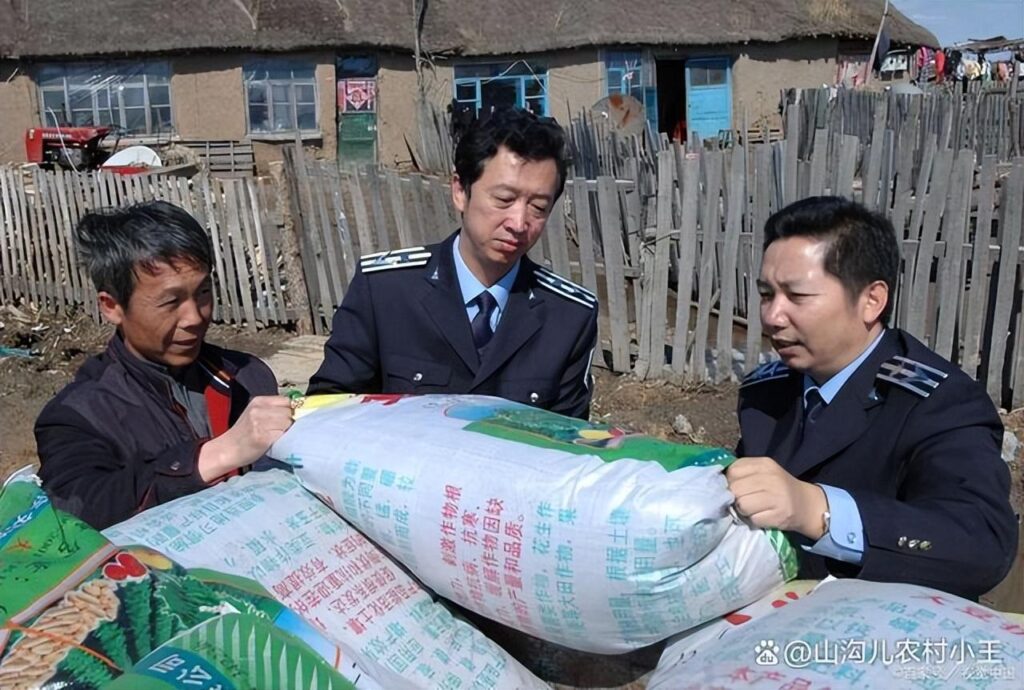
(813, 406)
(481, 324)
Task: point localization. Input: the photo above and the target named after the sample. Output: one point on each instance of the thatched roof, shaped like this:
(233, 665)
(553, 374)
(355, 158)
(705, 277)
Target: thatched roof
(50, 28)
(537, 25)
(55, 28)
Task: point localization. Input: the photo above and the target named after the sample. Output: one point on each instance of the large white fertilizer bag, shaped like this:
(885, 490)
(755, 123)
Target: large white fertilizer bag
(680, 649)
(265, 526)
(859, 634)
(576, 533)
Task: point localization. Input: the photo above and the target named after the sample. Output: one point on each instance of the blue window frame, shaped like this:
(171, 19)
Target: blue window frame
(486, 85)
(624, 73)
(627, 72)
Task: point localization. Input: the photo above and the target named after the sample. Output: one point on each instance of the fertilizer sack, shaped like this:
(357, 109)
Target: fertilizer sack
(266, 527)
(860, 634)
(78, 613)
(580, 534)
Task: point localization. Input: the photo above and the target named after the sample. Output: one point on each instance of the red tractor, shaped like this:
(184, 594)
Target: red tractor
(74, 148)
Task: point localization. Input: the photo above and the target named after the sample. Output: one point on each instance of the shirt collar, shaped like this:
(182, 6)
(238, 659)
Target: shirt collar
(471, 287)
(830, 389)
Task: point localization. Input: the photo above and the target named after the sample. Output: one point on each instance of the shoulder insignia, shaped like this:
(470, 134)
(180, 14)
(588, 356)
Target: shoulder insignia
(917, 378)
(766, 372)
(397, 258)
(550, 280)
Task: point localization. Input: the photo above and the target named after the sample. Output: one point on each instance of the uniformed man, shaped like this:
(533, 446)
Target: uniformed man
(473, 314)
(881, 457)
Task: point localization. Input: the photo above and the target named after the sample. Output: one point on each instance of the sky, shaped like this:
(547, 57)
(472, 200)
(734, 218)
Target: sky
(953, 21)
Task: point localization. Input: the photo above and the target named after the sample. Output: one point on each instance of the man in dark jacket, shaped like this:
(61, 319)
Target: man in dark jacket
(161, 413)
(878, 455)
(473, 314)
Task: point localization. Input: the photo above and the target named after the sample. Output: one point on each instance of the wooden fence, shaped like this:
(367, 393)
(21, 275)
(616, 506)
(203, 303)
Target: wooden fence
(676, 269)
(990, 122)
(674, 265)
(38, 211)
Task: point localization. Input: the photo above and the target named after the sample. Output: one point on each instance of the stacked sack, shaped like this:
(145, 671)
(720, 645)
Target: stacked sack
(78, 613)
(266, 527)
(580, 534)
(858, 634)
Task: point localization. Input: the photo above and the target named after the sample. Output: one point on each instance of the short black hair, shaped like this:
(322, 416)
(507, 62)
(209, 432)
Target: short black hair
(115, 243)
(525, 134)
(862, 245)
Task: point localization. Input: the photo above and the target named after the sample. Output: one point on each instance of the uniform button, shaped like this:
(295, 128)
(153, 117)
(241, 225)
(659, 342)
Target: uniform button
(913, 543)
(534, 397)
(851, 537)
(902, 541)
(417, 377)
(175, 466)
(925, 545)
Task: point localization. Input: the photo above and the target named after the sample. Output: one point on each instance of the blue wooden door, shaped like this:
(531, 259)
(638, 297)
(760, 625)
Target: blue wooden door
(708, 96)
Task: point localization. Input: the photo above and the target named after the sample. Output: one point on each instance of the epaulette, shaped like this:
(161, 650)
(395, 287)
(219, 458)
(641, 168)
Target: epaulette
(397, 258)
(766, 372)
(917, 378)
(566, 288)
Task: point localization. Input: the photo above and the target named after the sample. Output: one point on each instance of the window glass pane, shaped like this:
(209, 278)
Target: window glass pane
(83, 74)
(161, 118)
(357, 66)
(255, 74)
(81, 118)
(159, 94)
(307, 116)
(158, 73)
(279, 71)
(50, 75)
(715, 76)
(498, 69)
(279, 93)
(81, 99)
(53, 100)
(282, 114)
(305, 93)
(126, 79)
(259, 118)
(535, 106)
(106, 117)
(132, 97)
(135, 119)
(465, 91)
(257, 94)
(499, 92)
(534, 88)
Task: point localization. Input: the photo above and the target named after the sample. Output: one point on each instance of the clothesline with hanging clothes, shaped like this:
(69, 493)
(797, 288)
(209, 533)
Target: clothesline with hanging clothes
(954, 64)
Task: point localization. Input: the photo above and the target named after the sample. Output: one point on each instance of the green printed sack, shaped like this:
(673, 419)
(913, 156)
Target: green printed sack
(581, 534)
(78, 613)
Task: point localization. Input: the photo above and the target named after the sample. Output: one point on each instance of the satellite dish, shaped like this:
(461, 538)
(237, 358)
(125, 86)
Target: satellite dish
(134, 157)
(623, 112)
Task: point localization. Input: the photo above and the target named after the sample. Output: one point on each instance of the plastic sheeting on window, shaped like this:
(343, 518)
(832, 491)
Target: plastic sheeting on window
(132, 96)
(281, 95)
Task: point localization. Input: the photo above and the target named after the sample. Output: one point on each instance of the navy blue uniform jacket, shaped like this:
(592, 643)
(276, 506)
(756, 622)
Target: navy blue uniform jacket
(402, 328)
(114, 442)
(916, 442)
